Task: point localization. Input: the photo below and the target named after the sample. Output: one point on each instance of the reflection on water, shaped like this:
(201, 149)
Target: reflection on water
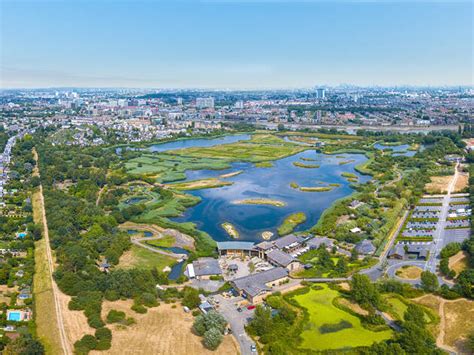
(217, 204)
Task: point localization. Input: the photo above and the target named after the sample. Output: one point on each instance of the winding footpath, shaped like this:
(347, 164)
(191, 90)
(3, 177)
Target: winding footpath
(57, 305)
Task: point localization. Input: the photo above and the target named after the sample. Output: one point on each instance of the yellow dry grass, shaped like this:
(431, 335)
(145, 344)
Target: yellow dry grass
(459, 323)
(455, 321)
(162, 330)
(409, 273)
(353, 306)
(438, 184)
(46, 324)
(75, 322)
(462, 182)
(459, 262)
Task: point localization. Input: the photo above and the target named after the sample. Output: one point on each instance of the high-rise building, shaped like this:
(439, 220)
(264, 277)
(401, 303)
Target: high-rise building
(239, 105)
(205, 102)
(179, 101)
(320, 93)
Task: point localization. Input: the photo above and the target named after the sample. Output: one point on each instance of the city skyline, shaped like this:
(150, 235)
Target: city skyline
(235, 44)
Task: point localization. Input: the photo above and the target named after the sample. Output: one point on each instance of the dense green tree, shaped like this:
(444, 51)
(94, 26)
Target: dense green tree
(429, 281)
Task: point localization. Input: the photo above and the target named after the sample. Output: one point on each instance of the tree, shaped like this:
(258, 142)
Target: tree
(364, 292)
(212, 338)
(415, 313)
(341, 266)
(191, 297)
(429, 281)
(24, 345)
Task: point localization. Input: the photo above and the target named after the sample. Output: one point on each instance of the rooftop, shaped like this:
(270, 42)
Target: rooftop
(279, 257)
(235, 245)
(256, 283)
(206, 266)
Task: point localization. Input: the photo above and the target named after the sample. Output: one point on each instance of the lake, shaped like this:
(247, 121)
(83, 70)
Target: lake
(217, 204)
(398, 150)
(190, 142)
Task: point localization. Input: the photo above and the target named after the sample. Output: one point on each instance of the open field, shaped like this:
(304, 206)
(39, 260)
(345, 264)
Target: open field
(166, 242)
(459, 323)
(144, 259)
(291, 222)
(260, 201)
(459, 262)
(409, 272)
(200, 184)
(462, 182)
(354, 307)
(455, 324)
(162, 330)
(46, 324)
(322, 312)
(438, 184)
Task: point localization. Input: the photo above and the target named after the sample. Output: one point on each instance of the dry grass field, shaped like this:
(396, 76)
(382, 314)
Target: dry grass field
(462, 182)
(438, 184)
(409, 272)
(46, 323)
(455, 321)
(162, 330)
(458, 262)
(353, 306)
(459, 323)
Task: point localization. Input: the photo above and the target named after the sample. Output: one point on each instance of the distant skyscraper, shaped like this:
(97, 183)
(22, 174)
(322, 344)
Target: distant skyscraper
(179, 101)
(239, 105)
(320, 93)
(205, 102)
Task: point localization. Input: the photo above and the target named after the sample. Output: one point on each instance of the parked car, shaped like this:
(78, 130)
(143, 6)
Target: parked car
(253, 348)
(251, 307)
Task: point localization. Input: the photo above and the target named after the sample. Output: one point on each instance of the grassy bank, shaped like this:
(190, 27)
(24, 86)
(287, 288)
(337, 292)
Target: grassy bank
(291, 222)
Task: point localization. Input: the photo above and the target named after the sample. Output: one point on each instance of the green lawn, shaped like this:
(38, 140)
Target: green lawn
(142, 258)
(166, 242)
(291, 222)
(319, 304)
(398, 308)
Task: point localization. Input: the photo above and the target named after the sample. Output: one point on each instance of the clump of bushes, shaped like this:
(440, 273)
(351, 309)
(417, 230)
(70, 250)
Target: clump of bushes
(211, 326)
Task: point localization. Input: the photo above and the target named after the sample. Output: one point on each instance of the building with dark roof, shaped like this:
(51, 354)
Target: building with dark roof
(404, 251)
(256, 286)
(203, 268)
(365, 247)
(316, 242)
(237, 248)
(277, 257)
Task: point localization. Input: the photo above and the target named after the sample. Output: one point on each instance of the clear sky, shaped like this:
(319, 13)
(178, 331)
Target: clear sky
(235, 44)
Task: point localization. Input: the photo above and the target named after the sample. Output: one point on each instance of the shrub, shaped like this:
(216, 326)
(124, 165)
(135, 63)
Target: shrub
(104, 338)
(85, 344)
(95, 321)
(139, 308)
(212, 338)
(115, 316)
(191, 297)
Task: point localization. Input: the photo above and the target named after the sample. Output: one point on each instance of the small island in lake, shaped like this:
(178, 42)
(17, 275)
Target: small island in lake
(260, 201)
(230, 229)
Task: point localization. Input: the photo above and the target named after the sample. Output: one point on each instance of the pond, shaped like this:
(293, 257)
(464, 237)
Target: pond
(218, 204)
(192, 142)
(398, 150)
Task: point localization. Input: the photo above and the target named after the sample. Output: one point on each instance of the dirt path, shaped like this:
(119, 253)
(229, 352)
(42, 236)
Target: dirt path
(59, 316)
(440, 339)
(99, 195)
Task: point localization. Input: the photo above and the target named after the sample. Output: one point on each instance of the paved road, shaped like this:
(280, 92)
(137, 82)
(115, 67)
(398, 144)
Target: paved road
(237, 321)
(438, 235)
(377, 271)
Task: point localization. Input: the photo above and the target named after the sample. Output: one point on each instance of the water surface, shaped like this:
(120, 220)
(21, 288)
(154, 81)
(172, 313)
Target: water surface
(217, 204)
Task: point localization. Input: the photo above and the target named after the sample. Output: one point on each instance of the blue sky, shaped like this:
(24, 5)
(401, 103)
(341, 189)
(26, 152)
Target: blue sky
(235, 44)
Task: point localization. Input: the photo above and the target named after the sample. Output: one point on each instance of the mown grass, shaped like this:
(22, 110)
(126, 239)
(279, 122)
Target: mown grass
(44, 307)
(322, 312)
(141, 258)
(165, 242)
